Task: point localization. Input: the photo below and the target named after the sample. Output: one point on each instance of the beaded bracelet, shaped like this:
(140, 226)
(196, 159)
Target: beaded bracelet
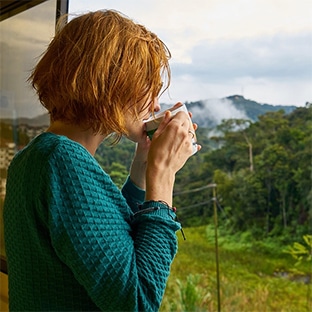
(150, 209)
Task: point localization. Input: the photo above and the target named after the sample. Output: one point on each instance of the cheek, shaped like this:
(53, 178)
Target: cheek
(136, 126)
(144, 114)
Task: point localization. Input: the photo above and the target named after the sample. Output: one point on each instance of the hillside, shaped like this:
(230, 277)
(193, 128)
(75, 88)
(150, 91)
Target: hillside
(38, 121)
(208, 113)
(211, 112)
(254, 109)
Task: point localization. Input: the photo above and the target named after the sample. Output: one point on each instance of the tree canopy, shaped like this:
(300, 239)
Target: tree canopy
(262, 171)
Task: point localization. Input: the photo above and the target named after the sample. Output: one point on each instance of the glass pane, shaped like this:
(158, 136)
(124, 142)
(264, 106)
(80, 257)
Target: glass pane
(23, 38)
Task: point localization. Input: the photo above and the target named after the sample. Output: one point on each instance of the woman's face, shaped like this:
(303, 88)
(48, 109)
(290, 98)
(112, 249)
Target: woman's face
(135, 126)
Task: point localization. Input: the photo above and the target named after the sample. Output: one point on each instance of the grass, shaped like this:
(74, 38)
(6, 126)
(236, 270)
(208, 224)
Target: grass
(254, 276)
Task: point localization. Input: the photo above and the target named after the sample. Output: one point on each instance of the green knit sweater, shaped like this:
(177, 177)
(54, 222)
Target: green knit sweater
(73, 240)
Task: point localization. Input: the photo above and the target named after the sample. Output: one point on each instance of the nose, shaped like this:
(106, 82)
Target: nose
(156, 105)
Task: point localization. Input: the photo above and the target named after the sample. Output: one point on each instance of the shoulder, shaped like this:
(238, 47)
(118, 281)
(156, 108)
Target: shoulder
(58, 149)
(51, 152)
(67, 157)
(48, 144)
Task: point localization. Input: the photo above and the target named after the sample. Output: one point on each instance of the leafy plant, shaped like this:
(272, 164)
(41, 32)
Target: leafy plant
(301, 252)
(248, 279)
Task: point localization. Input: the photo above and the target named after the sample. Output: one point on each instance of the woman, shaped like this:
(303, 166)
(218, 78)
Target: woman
(74, 241)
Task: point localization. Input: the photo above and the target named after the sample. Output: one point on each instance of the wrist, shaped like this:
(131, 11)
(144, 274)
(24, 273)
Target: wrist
(138, 167)
(138, 174)
(159, 185)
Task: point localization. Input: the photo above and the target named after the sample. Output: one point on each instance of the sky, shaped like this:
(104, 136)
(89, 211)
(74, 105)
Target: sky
(261, 49)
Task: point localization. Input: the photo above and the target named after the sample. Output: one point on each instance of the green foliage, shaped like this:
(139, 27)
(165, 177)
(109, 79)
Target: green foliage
(190, 293)
(262, 171)
(118, 173)
(301, 252)
(10, 133)
(255, 275)
(121, 153)
(2, 249)
(263, 176)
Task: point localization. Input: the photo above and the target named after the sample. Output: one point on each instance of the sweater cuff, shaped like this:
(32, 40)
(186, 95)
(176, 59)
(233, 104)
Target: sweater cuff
(157, 208)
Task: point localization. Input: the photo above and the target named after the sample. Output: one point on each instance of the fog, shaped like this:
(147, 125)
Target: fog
(215, 110)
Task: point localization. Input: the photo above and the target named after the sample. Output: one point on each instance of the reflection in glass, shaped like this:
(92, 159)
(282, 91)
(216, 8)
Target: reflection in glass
(23, 38)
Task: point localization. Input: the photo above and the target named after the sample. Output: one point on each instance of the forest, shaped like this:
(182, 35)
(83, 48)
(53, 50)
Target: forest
(261, 168)
(261, 172)
(249, 187)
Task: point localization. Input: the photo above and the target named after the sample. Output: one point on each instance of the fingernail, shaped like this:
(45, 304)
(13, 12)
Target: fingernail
(167, 114)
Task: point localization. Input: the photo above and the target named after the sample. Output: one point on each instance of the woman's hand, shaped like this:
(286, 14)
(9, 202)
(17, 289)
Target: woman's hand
(170, 148)
(139, 162)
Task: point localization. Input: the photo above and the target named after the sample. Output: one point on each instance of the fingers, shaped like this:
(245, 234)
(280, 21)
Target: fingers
(181, 119)
(185, 121)
(177, 105)
(181, 128)
(173, 142)
(192, 133)
(176, 131)
(165, 121)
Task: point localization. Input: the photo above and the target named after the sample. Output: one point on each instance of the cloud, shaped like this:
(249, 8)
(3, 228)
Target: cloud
(282, 57)
(24, 37)
(215, 110)
(222, 47)
(274, 69)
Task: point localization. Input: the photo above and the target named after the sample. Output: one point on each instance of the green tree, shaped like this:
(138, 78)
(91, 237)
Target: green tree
(118, 173)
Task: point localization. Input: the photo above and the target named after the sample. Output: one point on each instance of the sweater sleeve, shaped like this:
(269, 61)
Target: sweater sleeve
(122, 262)
(134, 195)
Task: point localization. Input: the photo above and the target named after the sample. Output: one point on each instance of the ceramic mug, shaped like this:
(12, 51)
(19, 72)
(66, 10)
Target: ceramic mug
(153, 122)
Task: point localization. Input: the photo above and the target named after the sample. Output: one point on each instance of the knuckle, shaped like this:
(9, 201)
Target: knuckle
(174, 125)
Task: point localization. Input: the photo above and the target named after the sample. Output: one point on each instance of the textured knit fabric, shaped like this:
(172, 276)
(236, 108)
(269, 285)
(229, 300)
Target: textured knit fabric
(72, 240)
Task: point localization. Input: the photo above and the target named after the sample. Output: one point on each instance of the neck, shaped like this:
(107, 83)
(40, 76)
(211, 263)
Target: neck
(86, 138)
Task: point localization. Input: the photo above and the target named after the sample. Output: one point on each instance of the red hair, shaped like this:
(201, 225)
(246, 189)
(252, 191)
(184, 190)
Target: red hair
(97, 67)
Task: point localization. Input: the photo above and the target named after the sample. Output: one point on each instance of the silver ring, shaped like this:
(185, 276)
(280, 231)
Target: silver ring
(192, 133)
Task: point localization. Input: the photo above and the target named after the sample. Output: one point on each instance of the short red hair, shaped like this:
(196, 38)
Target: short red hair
(97, 67)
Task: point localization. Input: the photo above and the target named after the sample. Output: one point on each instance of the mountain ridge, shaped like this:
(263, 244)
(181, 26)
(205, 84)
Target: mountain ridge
(211, 112)
(206, 113)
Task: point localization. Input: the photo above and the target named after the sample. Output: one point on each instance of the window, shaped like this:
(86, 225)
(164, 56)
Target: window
(26, 28)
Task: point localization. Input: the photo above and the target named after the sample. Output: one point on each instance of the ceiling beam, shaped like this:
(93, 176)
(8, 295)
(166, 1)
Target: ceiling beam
(10, 8)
